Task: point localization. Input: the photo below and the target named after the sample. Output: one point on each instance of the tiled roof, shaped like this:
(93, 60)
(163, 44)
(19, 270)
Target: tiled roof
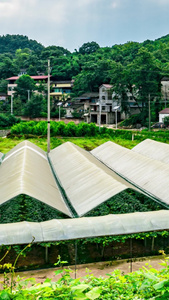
(108, 86)
(38, 77)
(164, 111)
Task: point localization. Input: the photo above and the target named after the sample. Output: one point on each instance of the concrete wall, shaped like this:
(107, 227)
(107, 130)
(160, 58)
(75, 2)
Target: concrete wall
(162, 116)
(4, 132)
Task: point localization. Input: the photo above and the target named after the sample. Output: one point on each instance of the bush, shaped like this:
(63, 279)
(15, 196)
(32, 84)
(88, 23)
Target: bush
(7, 121)
(71, 129)
(166, 121)
(146, 283)
(135, 119)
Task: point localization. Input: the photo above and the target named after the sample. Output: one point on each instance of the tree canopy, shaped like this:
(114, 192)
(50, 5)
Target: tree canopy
(25, 85)
(131, 67)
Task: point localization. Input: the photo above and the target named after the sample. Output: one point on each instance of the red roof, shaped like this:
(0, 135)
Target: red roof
(108, 86)
(38, 77)
(164, 111)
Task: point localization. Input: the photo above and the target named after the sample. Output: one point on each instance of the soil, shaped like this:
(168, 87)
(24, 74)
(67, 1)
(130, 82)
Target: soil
(97, 269)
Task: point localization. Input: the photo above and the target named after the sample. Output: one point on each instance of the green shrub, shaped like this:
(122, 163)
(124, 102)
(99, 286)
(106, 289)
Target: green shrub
(166, 121)
(71, 129)
(39, 128)
(146, 283)
(135, 119)
(7, 121)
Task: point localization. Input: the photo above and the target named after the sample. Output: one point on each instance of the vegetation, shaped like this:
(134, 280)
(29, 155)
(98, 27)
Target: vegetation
(8, 121)
(25, 208)
(131, 67)
(34, 128)
(147, 283)
(166, 121)
(11, 43)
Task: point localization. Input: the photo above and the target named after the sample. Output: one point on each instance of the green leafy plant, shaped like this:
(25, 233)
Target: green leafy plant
(146, 283)
(9, 281)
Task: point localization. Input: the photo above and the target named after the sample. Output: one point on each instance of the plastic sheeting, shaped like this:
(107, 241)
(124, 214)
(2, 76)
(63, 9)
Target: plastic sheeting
(86, 182)
(152, 149)
(1, 155)
(67, 229)
(149, 175)
(25, 170)
(77, 180)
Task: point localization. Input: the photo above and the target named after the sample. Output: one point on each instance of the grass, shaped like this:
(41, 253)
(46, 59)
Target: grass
(6, 144)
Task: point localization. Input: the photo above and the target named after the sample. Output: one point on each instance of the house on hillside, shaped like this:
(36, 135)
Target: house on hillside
(3, 97)
(60, 90)
(103, 107)
(162, 114)
(60, 95)
(39, 79)
(85, 104)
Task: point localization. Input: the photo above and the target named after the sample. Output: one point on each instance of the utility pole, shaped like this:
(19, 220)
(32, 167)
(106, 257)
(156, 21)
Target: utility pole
(12, 103)
(100, 111)
(59, 113)
(165, 96)
(116, 117)
(149, 110)
(48, 132)
(28, 95)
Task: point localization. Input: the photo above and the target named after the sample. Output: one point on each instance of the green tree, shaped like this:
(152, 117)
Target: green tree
(166, 121)
(17, 106)
(88, 48)
(21, 56)
(3, 86)
(122, 85)
(34, 107)
(7, 66)
(65, 67)
(142, 79)
(146, 79)
(25, 86)
(10, 43)
(93, 74)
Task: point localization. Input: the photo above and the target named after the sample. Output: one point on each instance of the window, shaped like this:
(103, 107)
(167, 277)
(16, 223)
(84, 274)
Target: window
(58, 90)
(10, 88)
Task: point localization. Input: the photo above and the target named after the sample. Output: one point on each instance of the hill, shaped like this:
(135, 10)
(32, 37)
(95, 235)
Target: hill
(10, 43)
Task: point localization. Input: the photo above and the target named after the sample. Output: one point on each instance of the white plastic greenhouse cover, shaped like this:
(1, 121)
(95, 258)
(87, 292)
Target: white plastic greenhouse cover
(86, 182)
(1, 155)
(154, 150)
(68, 229)
(149, 175)
(25, 170)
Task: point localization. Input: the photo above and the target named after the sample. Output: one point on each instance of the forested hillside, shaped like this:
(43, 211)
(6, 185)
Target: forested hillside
(131, 67)
(10, 43)
(91, 64)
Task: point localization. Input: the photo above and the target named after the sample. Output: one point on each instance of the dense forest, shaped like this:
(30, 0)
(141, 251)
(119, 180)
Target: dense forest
(131, 67)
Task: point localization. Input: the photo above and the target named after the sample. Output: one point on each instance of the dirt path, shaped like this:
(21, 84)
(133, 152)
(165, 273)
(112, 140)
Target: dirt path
(97, 269)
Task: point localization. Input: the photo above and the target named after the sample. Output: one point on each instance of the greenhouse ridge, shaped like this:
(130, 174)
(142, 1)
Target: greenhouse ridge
(75, 181)
(87, 178)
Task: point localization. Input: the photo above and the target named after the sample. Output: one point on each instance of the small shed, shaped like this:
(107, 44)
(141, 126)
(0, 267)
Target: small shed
(162, 114)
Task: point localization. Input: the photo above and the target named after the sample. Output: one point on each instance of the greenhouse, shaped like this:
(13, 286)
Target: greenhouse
(74, 181)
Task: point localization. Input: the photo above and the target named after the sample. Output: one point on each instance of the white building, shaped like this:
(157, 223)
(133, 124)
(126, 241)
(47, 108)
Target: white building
(162, 114)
